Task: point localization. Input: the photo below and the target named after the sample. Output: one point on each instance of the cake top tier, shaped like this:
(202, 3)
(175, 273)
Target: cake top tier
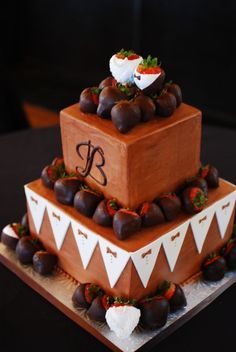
(135, 92)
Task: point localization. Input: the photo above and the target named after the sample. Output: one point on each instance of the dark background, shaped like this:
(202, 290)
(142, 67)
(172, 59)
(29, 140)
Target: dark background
(51, 50)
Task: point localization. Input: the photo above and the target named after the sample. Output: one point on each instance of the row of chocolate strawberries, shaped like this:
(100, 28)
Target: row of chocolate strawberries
(126, 104)
(191, 197)
(123, 315)
(28, 249)
(216, 265)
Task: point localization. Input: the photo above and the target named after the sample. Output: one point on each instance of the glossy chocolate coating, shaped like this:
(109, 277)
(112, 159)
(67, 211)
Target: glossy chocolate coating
(212, 177)
(25, 250)
(78, 297)
(171, 206)
(154, 312)
(153, 216)
(86, 102)
(178, 300)
(96, 311)
(187, 204)
(86, 202)
(101, 215)
(107, 82)
(200, 183)
(215, 271)
(165, 105)
(175, 89)
(46, 179)
(125, 224)
(157, 85)
(125, 115)
(108, 97)
(44, 262)
(147, 107)
(9, 241)
(66, 188)
(24, 222)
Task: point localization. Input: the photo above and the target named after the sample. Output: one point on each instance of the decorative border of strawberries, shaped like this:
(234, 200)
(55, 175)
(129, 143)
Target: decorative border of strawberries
(71, 189)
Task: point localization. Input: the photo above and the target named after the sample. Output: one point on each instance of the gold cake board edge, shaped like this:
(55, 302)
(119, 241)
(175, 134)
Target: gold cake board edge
(59, 287)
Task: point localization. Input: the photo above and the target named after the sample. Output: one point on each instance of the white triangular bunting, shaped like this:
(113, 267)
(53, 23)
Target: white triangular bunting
(115, 260)
(224, 209)
(37, 207)
(59, 222)
(86, 241)
(200, 224)
(144, 260)
(172, 243)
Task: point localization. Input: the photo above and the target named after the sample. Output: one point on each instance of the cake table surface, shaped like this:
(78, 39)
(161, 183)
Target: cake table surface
(26, 319)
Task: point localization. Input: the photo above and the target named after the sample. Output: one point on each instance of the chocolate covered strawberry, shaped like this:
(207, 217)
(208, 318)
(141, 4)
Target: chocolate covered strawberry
(173, 293)
(66, 188)
(210, 174)
(89, 99)
(99, 306)
(193, 199)
(228, 251)
(174, 89)
(123, 65)
(149, 76)
(58, 162)
(165, 104)
(44, 262)
(84, 294)
(49, 176)
(200, 183)
(105, 211)
(147, 107)
(25, 222)
(214, 267)
(12, 233)
(125, 115)
(107, 82)
(86, 201)
(125, 223)
(26, 247)
(154, 312)
(108, 97)
(151, 214)
(170, 204)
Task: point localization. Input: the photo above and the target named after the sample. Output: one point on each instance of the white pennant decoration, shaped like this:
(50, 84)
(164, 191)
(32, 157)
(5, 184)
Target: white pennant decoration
(86, 241)
(144, 260)
(200, 224)
(224, 209)
(172, 243)
(115, 260)
(37, 207)
(59, 222)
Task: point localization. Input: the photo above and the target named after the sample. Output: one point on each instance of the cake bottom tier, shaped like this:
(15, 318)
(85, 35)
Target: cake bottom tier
(133, 268)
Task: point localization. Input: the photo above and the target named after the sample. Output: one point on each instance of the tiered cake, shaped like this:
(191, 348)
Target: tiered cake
(134, 167)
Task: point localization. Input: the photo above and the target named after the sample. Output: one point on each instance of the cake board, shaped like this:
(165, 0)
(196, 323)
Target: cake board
(59, 287)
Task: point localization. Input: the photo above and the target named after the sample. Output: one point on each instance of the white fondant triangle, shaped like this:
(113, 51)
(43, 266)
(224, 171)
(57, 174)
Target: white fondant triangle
(144, 260)
(115, 260)
(224, 209)
(86, 241)
(37, 207)
(172, 243)
(200, 224)
(59, 222)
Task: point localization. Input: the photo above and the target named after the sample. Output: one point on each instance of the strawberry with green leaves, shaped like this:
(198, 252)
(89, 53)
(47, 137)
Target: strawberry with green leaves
(84, 294)
(105, 212)
(214, 267)
(149, 76)
(122, 65)
(12, 233)
(125, 223)
(53, 172)
(193, 199)
(173, 293)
